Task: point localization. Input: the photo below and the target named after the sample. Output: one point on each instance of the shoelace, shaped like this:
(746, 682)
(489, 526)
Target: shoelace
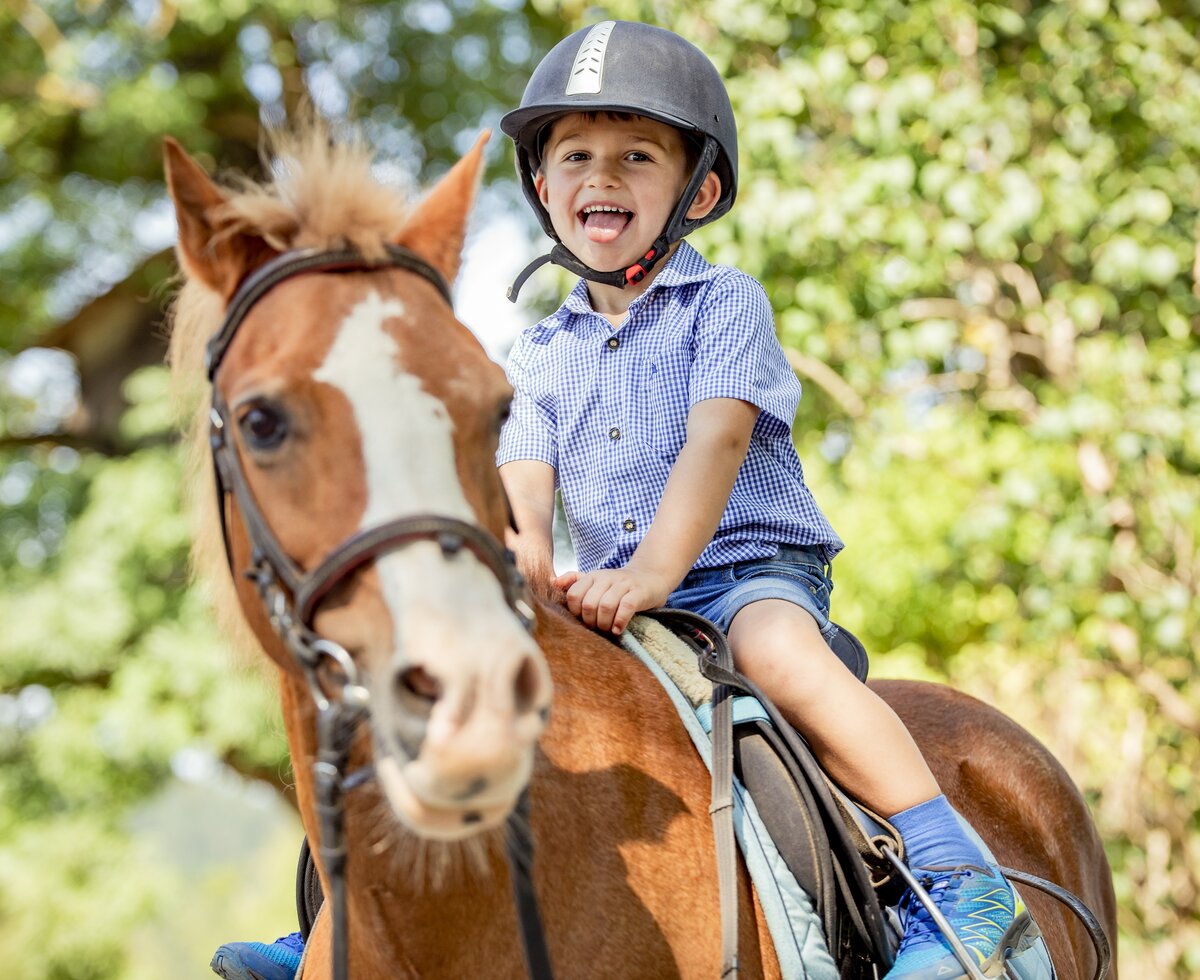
(918, 925)
(284, 950)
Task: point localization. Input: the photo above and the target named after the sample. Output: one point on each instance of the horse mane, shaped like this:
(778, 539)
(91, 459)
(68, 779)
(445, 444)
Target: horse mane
(323, 195)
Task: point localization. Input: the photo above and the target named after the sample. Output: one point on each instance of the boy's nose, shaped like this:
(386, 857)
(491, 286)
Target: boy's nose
(602, 174)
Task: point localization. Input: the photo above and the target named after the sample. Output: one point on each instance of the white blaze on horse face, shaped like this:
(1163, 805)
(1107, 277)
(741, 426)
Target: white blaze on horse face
(407, 435)
(475, 729)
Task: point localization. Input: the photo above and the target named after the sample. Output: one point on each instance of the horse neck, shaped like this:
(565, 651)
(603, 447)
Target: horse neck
(610, 714)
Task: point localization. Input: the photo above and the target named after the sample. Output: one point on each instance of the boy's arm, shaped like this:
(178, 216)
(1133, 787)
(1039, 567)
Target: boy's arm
(529, 484)
(695, 498)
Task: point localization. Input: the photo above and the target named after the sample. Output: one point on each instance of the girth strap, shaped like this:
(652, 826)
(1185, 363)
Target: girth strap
(721, 811)
(714, 650)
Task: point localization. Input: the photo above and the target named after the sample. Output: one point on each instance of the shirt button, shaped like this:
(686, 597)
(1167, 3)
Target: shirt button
(614, 433)
(613, 343)
(629, 525)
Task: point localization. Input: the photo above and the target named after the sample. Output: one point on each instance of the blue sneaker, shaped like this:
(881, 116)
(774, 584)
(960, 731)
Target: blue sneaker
(259, 961)
(982, 909)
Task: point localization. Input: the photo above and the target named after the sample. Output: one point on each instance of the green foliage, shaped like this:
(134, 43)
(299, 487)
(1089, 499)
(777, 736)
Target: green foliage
(113, 668)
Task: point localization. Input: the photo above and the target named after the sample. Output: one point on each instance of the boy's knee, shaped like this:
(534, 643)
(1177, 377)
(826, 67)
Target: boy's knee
(782, 647)
(772, 660)
(777, 627)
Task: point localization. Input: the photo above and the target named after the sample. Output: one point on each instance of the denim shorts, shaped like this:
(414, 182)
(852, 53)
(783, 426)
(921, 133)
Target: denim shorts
(798, 574)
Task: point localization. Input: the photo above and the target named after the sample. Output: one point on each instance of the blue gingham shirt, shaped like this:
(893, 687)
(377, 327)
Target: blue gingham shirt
(608, 410)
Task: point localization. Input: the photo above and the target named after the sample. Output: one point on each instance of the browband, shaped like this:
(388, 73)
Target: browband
(297, 262)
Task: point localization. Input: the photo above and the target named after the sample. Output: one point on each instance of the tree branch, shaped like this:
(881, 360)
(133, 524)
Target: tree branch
(94, 442)
(828, 380)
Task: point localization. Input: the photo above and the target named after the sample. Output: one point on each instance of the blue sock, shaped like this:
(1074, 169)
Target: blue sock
(933, 837)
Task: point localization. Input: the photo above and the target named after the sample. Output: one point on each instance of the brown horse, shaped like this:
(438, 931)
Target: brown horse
(354, 398)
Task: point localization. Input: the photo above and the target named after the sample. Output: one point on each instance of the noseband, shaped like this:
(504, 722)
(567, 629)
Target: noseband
(291, 595)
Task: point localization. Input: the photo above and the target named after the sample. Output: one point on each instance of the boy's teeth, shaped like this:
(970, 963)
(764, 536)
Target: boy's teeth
(604, 224)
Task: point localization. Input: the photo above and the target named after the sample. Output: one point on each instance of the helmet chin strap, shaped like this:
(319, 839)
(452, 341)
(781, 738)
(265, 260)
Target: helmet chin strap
(560, 255)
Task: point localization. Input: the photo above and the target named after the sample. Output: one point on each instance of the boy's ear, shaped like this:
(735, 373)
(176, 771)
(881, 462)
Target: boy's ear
(539, 185)
(707, 197)
(437, 227)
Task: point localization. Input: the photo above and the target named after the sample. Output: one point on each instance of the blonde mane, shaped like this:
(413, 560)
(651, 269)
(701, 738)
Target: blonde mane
(323, 195)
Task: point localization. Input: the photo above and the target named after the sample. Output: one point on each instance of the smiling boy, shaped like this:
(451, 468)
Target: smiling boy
(658, 400)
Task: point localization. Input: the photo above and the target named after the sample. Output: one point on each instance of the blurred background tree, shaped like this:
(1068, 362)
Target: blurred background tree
(978, 226)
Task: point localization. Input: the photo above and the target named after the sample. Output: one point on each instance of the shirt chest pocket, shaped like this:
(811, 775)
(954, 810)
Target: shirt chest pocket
(662, 402)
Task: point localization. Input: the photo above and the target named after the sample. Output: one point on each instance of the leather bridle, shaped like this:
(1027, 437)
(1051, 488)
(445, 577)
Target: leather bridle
(291, 596)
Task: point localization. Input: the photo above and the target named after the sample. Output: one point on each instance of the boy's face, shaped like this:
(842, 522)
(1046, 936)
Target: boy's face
(610, 184)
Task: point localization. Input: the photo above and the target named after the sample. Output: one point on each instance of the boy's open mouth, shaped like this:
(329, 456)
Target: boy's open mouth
(604, 222)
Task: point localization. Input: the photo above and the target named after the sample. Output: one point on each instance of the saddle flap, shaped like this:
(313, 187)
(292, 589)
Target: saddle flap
(823, 846)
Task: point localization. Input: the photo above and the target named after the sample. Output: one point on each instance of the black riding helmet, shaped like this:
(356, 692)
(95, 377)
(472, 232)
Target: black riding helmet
(621, 66)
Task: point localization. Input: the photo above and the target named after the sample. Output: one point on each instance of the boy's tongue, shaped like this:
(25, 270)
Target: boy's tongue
(604, 226)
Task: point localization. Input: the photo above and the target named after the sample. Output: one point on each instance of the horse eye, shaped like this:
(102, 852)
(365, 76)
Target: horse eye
(264, 426)
(503, 414)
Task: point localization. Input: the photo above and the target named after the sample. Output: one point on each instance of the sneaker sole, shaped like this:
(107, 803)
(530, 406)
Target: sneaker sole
(232, 971)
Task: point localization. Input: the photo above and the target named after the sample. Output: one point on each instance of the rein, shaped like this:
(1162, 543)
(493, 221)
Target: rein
(291, 595)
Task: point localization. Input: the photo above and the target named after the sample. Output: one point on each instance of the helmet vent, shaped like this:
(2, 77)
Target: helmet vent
(587, 73)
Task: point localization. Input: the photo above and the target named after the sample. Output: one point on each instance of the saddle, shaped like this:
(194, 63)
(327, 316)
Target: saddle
(831, 846)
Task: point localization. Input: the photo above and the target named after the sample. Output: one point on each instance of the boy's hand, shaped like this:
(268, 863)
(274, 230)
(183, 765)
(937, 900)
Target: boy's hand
(607, 599)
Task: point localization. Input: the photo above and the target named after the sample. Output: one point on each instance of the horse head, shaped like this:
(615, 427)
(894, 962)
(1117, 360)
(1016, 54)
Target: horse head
(356, 420)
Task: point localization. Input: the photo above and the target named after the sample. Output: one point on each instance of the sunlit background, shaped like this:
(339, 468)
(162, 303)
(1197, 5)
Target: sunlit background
(978, 227)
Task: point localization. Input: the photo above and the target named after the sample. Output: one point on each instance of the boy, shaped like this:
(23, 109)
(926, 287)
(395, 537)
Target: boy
(658, 400)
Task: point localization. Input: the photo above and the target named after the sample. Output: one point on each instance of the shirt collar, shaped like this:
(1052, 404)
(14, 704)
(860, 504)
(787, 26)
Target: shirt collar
(685, 266)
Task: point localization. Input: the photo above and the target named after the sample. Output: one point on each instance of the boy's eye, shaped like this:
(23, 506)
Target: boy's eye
(637, 156)
(575, 157)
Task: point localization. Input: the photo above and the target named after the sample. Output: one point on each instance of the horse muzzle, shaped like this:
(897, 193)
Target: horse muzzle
(454, 742)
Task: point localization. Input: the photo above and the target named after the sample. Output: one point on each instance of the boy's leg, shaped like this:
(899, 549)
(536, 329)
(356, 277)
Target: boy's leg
(867, 750)
(778, 645)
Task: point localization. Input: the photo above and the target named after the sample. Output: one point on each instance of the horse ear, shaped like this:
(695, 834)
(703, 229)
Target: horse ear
(207, 250)
(436, 228)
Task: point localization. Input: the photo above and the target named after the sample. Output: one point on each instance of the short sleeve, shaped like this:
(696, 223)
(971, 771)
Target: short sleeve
(737, 352)
(529, 432)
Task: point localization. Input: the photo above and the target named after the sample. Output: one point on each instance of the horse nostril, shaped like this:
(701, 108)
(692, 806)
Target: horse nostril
(418, 689)
(527, 686)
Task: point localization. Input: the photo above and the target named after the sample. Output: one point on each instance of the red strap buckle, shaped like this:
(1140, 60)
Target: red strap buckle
(637, 271)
